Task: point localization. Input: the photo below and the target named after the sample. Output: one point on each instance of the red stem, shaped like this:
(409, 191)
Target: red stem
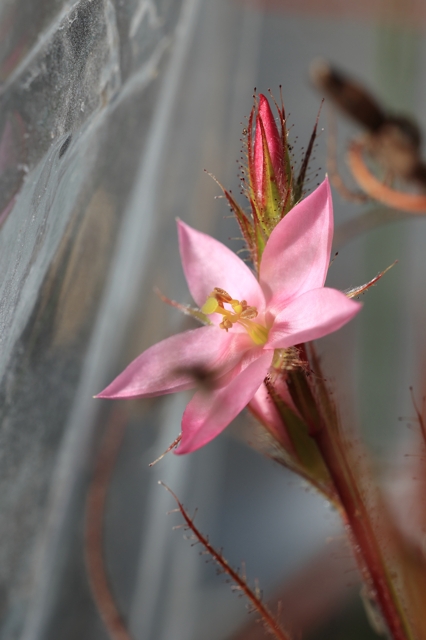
(95, 509)
(365, 543)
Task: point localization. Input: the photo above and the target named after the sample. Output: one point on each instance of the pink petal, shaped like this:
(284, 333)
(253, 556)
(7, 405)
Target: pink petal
(173, 364)
(207, 264)
(208, 414)
(297, 254)
(312, 315)
(262, 406)
(274, 142)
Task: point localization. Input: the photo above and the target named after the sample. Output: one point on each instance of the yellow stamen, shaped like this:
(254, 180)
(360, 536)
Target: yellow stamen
(210, 306)
(241, 313)
(257, 332)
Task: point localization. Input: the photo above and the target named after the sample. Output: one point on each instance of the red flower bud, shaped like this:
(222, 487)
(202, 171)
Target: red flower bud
(267, 134)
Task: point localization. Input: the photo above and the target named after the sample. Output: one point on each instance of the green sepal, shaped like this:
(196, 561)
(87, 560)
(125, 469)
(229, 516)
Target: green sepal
(287, 202)
(243, 222)
(250, 157)
(248, 229)
(357, 291)
(185, 308)
(271, 195)
(260, 233)
(304, 400)
(300, 181)
(307, 457)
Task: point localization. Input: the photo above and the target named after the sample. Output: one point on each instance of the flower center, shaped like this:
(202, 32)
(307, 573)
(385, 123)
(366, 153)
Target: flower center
(240, 312)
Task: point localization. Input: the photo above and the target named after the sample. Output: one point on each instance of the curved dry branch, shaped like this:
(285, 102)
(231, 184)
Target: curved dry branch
(413, 203)
(93, 544)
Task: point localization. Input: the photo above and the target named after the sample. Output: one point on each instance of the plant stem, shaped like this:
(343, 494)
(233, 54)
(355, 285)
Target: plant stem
(363, 537)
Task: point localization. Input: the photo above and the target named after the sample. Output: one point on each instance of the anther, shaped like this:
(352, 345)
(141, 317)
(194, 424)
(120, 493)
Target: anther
(221, 295)
(249, 313)
(226, 324)
(241, 313)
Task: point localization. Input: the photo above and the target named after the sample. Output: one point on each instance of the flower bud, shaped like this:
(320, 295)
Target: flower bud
(267, 134)
(270, 171)
(268, 180)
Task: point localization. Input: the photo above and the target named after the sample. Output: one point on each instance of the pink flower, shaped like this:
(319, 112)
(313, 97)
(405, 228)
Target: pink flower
(288, 305)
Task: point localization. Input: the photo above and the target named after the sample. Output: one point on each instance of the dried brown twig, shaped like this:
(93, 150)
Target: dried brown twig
(393, 141)
(410, 202)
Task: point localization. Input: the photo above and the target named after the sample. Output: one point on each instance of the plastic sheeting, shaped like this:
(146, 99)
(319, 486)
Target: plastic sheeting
(109, 111)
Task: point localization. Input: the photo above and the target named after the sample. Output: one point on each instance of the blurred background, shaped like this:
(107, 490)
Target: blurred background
(109, 112)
